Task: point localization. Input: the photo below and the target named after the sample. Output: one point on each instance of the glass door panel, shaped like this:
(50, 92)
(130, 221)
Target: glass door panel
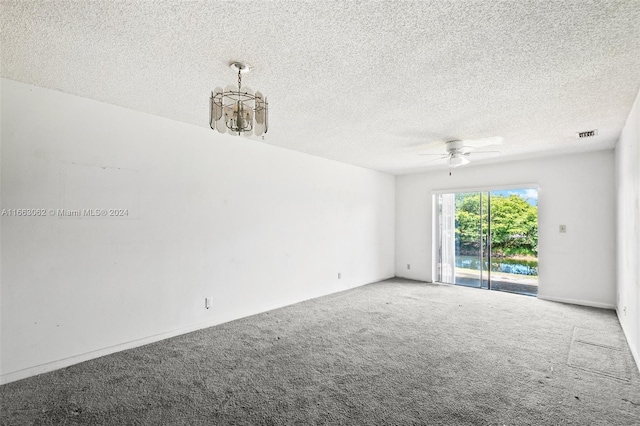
(514, 240)
(462, 238)
(469, 239)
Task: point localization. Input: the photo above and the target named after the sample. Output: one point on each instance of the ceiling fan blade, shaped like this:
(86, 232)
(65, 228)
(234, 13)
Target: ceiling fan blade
(442, 158)
(485, 154)
(480, 143)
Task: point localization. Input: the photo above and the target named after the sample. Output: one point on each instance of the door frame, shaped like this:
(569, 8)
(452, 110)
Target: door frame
(435, 222)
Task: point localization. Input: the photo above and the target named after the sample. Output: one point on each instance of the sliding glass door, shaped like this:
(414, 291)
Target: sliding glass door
(489, 239)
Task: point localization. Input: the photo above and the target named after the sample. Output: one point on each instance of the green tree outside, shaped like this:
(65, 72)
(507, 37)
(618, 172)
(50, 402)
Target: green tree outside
(514, 225)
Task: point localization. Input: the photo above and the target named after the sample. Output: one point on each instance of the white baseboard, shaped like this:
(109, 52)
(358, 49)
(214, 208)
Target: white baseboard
(578, 302)
(414, 278)
(634, 352)
(66, 362)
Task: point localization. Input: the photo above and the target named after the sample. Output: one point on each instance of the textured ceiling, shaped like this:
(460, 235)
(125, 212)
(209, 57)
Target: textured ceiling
(370, 83)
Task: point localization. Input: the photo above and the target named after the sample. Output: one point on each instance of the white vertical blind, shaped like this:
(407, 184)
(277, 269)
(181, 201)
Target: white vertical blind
(448, 249)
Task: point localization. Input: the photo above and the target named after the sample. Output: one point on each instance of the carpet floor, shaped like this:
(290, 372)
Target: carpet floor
(395, 352)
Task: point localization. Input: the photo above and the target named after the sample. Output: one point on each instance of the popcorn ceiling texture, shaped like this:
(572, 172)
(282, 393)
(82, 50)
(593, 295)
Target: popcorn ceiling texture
(370, 83)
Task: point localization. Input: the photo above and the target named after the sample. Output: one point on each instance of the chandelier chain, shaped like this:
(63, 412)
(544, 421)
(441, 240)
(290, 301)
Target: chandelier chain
(239, 79)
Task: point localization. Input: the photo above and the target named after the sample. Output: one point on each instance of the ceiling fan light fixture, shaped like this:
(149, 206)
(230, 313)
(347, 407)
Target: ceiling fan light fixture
(238, 110)
(456, 160)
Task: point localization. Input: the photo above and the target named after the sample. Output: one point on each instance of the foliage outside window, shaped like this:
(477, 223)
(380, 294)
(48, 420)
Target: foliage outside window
(514, 225)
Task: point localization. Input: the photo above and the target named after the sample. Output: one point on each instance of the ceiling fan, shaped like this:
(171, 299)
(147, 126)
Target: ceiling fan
(459, 151)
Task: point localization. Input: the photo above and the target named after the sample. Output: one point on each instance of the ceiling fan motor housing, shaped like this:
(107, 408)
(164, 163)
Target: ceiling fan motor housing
(455, 146)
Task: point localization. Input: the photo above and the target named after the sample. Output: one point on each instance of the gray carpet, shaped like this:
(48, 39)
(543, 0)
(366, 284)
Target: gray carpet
(395, 352)
(600, 352)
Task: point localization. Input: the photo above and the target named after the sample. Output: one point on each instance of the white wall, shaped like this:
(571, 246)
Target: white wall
(628, 241)
(576, 191)
(253, 226)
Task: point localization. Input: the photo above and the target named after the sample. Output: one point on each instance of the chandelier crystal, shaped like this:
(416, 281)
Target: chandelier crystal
(238, 110)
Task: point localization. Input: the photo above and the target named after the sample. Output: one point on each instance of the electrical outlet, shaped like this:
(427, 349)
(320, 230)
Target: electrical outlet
(339, 275)
(408, 266)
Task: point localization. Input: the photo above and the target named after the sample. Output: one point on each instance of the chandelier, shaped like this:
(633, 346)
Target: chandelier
(238, 110)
